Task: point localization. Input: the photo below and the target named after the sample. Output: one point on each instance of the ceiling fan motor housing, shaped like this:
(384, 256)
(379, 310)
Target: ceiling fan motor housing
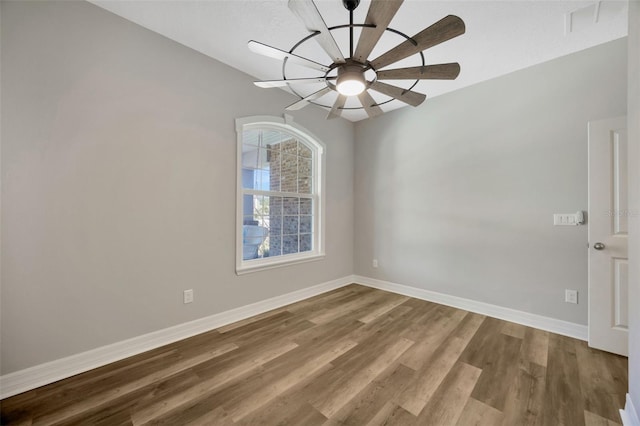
(350, 4)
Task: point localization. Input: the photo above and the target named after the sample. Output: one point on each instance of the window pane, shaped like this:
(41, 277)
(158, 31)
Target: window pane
(272, 138)
(262, 160)
(253, 238)
(248, 210)
(275, 245)
(305, 224)
(250, 157)
(289, 146)
(275, 206)
(250, 220)
(304, 175)
(274, 145)
(274, 170)
(289, 173)
(251, 137)
(290, 225)
(255, 167)
(290, 205)
(305, 242)
(260, 205)
(247, 178)
(303, 150)
(275, 235)
(289, 244)
(255, 209)
(306, 206)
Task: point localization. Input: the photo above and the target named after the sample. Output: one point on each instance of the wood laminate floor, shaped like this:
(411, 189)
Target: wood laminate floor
(354, 356)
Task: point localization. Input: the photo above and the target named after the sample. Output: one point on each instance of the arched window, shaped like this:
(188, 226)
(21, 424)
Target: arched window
(279, 202)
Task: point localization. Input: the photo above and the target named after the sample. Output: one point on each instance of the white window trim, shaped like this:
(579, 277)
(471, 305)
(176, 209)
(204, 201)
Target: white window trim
(287, 124)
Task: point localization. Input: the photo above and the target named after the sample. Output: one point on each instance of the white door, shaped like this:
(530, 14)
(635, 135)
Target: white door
(608, 224)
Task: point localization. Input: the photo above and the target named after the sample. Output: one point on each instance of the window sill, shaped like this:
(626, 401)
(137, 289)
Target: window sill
(256, 265)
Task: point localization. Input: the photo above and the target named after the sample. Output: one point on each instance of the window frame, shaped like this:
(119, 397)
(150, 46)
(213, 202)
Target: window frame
(318, 148)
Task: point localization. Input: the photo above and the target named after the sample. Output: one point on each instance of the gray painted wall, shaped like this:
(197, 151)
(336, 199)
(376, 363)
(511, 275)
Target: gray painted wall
(118, 183)
(457, 196)
(634, 201)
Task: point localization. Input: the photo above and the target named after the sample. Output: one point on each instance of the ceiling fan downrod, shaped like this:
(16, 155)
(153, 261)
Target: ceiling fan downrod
(350, 5)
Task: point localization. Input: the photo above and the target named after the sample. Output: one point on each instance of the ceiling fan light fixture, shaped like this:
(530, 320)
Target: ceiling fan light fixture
(350, 81)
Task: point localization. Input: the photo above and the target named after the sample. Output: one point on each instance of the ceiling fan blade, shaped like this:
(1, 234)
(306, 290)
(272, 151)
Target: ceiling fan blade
(274, 52)
(404, 95)
(380, 14)
(307, 11)
(281, 83)
(369, 104)
(445, 29)
(336, 110)
(428, 72)
(305, 101)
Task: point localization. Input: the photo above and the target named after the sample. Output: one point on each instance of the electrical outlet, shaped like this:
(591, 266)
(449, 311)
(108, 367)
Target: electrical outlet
(375, 263)
(187, 296)
(571, 296)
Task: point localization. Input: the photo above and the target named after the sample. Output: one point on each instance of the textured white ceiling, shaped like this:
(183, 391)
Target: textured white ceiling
(501, 36)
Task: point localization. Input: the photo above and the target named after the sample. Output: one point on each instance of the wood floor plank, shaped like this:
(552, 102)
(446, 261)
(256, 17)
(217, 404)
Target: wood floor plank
(423, 318)
(499, 367)
(392, 415)
(119, 412)
(600, 391)
(563, 396)
(59, 396)
(109, 395)
(260, 397)
(525, 400)
(217, 416)
(251, 320)
(476, 413)
(476, 352)
(432, 336)
(292, 407)
(394, 319)
(331, 313)
(416, 396)
(535, 346)
(297, 415)
(591, 419)
(514, 330)
(382, 309)
(351, 382)
(447, 403)
(357, 364)
(365, 405)
(322, 301)
(322, 334)
(207, 386)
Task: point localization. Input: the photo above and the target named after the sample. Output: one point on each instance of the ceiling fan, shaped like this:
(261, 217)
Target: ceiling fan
(355, 75)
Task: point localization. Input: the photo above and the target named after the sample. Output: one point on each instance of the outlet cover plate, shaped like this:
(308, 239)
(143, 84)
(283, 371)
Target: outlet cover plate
(571, 296)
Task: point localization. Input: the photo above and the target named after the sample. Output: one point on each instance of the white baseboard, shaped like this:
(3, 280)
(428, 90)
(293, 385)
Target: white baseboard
(553, 325)
(629, 415)
(43, 374)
